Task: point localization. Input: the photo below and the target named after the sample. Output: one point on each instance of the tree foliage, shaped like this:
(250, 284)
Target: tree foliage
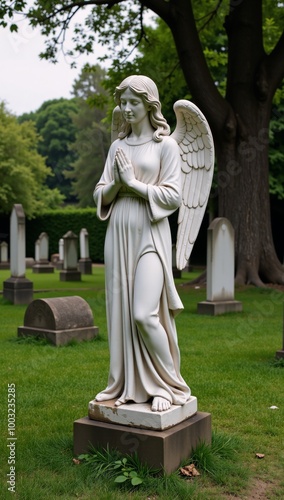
(250, 44)
(92, 138)
(54, 123)
(22, 170)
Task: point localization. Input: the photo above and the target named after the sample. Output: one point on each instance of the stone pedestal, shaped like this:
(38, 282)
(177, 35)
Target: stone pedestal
(85, 266)
(70, 275)
(140, 415)
(164, 449)
(216, 307)
(43, 267)
(59, 320)
(18, 290)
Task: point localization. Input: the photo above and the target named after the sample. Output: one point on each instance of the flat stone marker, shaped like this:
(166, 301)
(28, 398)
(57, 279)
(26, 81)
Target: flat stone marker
(59, 320)
(220, 270)
(42, 264)
(85, 263)
(18, 289)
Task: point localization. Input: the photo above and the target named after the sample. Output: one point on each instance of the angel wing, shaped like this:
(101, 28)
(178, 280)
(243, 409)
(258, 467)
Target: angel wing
(116, 123)
(195, 141)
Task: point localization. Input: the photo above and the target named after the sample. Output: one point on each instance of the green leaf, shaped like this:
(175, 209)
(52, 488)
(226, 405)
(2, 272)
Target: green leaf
(120, 479)
(136, 480)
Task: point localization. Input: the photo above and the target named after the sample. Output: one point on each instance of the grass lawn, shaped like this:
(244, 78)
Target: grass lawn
(228, 361)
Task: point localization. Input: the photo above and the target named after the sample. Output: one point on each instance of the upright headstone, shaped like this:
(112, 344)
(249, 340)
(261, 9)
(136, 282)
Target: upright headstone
(18, 289)
(60, 262)
(85, 263)
(42, 264)
(220, 270)
(70, 262)
(4, 261)
(59, 320)
(176, 271)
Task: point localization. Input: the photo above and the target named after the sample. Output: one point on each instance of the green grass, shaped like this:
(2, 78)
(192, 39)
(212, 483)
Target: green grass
(228, 361)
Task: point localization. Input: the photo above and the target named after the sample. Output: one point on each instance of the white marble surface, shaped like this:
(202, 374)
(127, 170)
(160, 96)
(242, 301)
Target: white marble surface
(140, 414)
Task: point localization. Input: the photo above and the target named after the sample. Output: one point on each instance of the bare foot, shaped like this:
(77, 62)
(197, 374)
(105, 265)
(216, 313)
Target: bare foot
(160, 404)
(102, 397)
(118, 403)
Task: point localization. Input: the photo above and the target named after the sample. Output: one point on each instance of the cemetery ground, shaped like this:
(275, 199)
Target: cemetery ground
(228, 361)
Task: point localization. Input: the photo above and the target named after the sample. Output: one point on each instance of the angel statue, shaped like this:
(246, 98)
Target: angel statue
(147, 176)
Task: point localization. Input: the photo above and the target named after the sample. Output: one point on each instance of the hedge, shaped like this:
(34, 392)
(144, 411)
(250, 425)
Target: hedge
(56, 223)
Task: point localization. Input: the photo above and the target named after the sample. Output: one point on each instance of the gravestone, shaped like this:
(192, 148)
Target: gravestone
(220, 270)
(176, 271)
(60, 262)
(59, 320)
(85, 263)
(280, 354)
(4, 261)
(42, 264)
(70, 262)
(18, 289)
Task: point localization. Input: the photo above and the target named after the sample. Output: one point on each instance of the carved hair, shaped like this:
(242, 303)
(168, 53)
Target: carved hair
(147, 90)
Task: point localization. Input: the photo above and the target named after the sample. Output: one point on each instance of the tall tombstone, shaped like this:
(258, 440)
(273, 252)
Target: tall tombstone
(70, 262)
(60, 262)
(4, 260)
(18, 289)
(220, 270)
(85, 263)
(42, 264)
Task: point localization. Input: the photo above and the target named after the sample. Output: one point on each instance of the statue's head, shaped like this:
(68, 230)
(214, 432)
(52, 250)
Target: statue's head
(147, 90)
(140, 85)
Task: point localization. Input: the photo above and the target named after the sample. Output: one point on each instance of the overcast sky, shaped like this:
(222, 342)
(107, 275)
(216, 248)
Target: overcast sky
(26, 81)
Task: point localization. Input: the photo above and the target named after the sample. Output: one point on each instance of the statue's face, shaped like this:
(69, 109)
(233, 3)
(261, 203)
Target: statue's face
(133, 107)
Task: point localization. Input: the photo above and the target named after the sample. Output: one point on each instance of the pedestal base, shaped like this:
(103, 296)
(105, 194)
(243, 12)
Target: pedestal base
(280, 354)
(214, 308)
(158, 449)
(140, 415)
(60, 337)
(71, 275)
(18, 290)
(85, 266)
(43, 268)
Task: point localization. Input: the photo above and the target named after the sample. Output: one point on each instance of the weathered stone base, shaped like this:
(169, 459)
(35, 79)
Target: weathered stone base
(85, 266)
(18, 290)
(214, 308)
(71, 275)
(4, 265)
(59, 337)
(59, 265)
(158, 449)
(43, 268)
(280, 354)
(140, 415)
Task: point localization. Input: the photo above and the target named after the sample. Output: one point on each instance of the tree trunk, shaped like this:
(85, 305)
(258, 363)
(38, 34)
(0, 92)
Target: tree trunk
(243, 198)
(240, 128)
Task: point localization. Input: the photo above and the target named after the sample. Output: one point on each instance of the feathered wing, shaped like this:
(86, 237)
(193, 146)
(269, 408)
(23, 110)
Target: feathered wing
(195, 141)
(116, 123)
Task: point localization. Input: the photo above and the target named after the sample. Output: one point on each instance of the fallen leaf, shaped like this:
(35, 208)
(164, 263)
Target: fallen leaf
(189, 470)
(76, 461)
(273, 408)
(259, 455)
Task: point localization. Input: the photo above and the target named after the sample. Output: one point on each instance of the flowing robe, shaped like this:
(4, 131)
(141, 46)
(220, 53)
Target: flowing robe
(137, 226)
